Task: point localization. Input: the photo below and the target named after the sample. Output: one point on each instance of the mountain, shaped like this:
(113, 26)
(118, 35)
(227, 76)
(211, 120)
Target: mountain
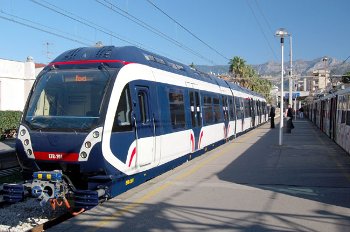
(300, 67)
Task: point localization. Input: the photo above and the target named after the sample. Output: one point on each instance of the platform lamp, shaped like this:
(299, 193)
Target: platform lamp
(281, 33)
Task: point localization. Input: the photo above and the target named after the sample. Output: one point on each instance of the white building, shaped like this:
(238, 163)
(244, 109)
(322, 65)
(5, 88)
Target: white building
(16, 80)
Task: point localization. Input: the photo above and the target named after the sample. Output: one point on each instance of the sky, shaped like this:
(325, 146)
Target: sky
(202, 32)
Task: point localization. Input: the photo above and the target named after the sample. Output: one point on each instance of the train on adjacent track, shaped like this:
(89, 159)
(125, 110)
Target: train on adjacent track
(331, 113)
(101, 120)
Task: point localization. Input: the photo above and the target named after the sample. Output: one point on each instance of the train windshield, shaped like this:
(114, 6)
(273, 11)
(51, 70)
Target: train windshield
(68, 99)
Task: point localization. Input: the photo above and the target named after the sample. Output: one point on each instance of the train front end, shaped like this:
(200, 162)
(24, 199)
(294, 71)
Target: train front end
(59, 138)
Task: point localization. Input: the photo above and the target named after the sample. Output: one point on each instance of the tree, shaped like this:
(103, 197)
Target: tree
(247, 77)
(237, 66)
(346, 78)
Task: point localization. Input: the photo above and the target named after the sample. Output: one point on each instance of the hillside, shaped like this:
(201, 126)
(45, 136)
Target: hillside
(273, 69)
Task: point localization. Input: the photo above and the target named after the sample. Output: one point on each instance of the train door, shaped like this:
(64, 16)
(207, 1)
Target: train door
(226, 115)
(144, 122)
(333, 116)
(252, 111)
(196, 118)
(258, 104)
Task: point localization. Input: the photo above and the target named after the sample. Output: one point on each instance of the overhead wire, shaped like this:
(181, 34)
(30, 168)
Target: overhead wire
(58, 10)
(264, 17)
(93, 25)
(26, 23)
(187, 30)
(109, 5)
(261, 30)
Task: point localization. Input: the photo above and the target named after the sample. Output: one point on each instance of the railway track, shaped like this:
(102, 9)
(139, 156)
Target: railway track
(29, 216)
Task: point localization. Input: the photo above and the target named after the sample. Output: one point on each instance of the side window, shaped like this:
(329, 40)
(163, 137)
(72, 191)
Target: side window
(217, 110)
(177, 109)
(143, 106)
(246, 108)
(238, 107)
(122, 120)
(208, 110)
(225, 107)
(348, 118)
(232, 109)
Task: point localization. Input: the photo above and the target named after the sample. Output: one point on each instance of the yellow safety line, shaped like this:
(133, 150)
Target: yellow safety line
(152, 193)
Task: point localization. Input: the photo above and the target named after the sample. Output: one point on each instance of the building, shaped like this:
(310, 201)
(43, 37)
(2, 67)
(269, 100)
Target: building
(319, 82)
(16, 80)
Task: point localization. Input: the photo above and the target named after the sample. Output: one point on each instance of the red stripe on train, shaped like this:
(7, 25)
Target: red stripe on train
(59, 156)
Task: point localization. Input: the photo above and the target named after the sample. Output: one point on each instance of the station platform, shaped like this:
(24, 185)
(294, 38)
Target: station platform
(8, 157)
(248, 184)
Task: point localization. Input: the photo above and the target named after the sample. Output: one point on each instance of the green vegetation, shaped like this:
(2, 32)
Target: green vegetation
(247, 77)
(346, 78)
(9, 119)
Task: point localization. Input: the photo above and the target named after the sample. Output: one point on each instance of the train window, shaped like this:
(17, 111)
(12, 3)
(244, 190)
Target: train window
(217, 110)
(122, 121)
(232, 109)
(348, 118)
(208, 110)
(143, 106)
(67, 99)
(247, 110)
(177, 109)
(238, 102)
(343, 114)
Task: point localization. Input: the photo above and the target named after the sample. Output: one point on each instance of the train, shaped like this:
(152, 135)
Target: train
(331, 113)
(102, 120)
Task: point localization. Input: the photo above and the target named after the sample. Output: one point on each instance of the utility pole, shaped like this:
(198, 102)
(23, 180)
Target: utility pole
(47, 51)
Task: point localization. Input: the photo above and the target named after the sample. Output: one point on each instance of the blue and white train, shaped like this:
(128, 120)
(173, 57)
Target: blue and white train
(331, 113)
(101, 120)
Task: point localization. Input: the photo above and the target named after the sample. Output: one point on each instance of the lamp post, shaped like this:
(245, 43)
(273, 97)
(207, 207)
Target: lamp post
(290, 100)
(281, 33)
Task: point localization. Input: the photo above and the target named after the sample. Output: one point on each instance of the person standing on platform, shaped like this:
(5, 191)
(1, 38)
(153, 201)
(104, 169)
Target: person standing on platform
(301, 112)
(289, 115)
(272, 115)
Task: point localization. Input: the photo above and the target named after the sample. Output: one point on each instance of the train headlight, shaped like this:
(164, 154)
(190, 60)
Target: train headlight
(88, 144)
(26, 142)
(22, 132)
(29, 152)
(83, 155)
(96, 134)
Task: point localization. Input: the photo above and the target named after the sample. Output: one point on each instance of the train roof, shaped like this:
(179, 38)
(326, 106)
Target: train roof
(131, 54)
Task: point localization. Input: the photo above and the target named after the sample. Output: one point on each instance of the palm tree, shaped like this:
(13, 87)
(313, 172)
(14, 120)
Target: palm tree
(237, 66)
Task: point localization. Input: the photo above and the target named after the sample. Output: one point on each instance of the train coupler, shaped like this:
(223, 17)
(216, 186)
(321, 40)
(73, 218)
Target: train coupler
(13, 193)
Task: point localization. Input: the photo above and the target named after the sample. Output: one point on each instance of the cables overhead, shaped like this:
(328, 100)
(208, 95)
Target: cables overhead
(39, 27)
(109, 5)
(187, 30)
(92, 25)
(261, 29)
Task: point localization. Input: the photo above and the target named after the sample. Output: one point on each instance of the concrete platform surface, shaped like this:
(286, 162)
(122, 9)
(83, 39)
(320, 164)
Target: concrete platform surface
(8, 157)
(249, 184)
